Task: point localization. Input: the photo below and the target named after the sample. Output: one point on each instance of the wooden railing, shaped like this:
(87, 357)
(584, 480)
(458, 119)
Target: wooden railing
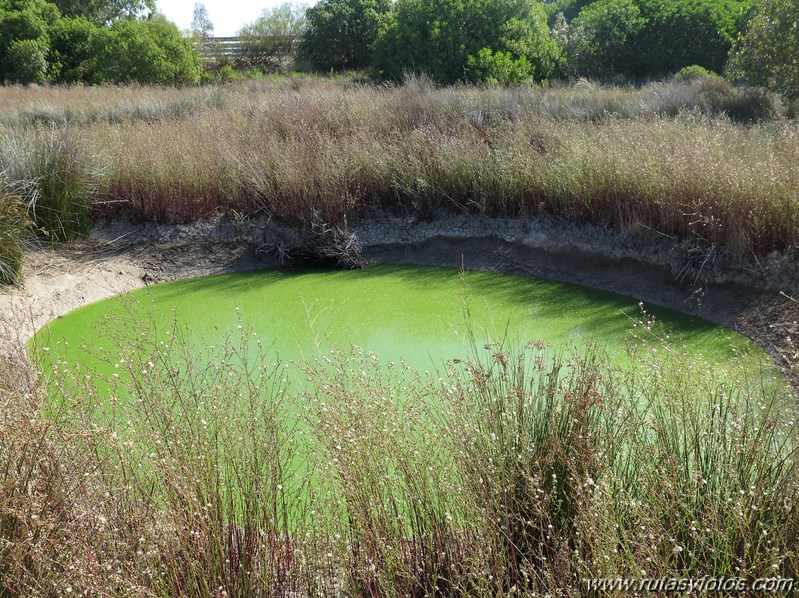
(219, 46)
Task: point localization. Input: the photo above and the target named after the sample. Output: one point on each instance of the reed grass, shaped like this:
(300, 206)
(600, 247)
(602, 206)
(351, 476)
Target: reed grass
(15, 232)
(55, 178)
(668, 157)
(516, 471)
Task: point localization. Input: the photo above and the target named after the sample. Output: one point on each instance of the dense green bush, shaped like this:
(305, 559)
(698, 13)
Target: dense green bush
(648, 38)
(24, 44)
(341, 33)
(600, 41)
(694, 72)
(27, 61)
(460, 40)
(680, 33)
(39, 45)
(151, 51)
(767, 52)
(72, 47)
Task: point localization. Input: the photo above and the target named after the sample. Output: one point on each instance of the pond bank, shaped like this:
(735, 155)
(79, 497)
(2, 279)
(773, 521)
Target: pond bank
(754, 297)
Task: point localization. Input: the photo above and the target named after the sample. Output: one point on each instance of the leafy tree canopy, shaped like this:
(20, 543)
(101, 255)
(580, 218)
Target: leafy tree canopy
(341, 33)
(649, 38)
(105, 11)
(467, 40)
(601, 40)
(767, 53)
(24, 41)
(680, 33)
(73, 43)
(38, 44)
(273, 38)
(201, 23)
(150, 51)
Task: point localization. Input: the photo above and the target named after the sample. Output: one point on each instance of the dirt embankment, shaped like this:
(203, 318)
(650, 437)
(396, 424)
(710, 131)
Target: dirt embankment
(755, 297)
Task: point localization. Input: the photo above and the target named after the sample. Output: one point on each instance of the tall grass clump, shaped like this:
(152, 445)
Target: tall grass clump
(42, 550)
(698, 159)
(202, 450)
(534, 436)
(386, 493)
(717, 483)
(578, 471)
(78, 106)
(15, 232)
(56, 178)
(324, 155)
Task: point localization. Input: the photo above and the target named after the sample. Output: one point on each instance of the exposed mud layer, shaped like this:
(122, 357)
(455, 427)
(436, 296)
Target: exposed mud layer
(756, 298)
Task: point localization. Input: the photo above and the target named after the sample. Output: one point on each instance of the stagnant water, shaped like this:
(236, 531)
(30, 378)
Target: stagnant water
(419, 314)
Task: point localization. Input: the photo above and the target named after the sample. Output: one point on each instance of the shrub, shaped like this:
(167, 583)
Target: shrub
(24, 44)
(766, 53)
(456, 40)
(341, 33)
(28, 58)
(694, 72)
(601, 39)
(150, 51)
(15, 229)
(72, 43)
(680, 33)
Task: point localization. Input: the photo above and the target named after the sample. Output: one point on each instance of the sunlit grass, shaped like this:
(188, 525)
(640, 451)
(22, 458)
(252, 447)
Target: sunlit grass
(664, 157)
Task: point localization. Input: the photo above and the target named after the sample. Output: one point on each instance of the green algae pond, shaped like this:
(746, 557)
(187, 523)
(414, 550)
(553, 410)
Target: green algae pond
(420, 316)
(423, 316)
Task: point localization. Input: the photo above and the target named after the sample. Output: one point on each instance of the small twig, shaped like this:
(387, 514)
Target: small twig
(657, 232)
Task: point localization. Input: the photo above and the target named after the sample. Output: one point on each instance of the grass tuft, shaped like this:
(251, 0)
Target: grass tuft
(57, 180)
(15, 232)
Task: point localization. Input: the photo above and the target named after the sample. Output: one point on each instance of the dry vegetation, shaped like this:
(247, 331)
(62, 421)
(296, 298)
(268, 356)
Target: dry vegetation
(672, 157)
(519, 471)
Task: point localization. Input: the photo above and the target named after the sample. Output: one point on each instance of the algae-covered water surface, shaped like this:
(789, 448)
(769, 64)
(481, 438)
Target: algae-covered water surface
(222, 411)
(421, 315)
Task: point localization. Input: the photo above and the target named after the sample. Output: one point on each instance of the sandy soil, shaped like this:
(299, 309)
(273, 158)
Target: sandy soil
(57, 281)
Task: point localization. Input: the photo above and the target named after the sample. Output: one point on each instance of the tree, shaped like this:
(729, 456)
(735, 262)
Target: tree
(27, 60)
(102, 12)
(72, 50)
(767, 54)
(680, 33)
(273, 38)
(151, 51)
(24, 40)
(601, 40)
(201, 24)
(341, 33)
(467, 40)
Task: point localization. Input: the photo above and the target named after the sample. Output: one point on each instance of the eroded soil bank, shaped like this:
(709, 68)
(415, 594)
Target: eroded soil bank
(755, 297)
